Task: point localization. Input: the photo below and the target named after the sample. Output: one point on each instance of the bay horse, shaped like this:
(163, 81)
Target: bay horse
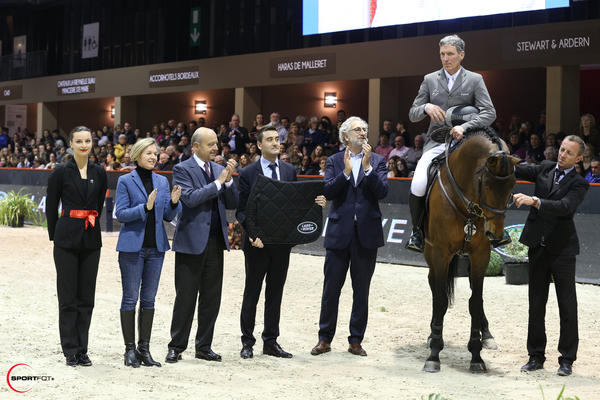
(467, 204)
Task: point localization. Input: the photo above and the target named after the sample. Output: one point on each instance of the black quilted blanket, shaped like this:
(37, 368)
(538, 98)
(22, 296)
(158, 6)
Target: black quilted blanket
(284, 212)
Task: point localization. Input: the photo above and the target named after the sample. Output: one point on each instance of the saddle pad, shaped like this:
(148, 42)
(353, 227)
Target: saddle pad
(280, 212)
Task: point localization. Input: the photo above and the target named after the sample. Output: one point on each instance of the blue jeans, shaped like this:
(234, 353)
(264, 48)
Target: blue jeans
(140, 268)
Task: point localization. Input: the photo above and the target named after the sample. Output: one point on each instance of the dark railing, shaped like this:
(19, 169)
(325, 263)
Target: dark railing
(24, 65)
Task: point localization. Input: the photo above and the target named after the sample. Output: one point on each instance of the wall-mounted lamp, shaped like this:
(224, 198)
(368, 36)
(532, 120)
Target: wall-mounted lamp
(200, 107)
(112, 111)
(330, 99)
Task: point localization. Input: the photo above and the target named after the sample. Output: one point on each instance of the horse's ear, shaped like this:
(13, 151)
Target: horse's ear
(514, 160)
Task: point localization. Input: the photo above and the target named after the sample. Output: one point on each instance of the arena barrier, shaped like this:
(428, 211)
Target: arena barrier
(395, 218)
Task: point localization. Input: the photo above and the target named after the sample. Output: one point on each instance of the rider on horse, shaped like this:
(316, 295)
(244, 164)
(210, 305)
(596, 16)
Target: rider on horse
(440, 91)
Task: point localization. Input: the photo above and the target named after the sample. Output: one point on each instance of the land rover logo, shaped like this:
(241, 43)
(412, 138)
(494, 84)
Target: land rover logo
(307, 227)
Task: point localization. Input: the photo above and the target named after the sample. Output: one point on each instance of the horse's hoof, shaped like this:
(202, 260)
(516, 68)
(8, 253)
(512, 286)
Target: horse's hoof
(478, 368)
(489, 344)
(431, 366)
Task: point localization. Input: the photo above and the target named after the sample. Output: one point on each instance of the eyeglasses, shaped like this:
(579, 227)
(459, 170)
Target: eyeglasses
(359, 128)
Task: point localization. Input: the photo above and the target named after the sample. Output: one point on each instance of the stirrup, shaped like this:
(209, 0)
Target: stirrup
(416, 241)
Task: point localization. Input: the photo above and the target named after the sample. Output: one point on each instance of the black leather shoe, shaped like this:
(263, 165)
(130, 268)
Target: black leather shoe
(416, 241)
(565, 369)
(503, 241)
(172, 356)
(83, 360)
(71, 360)
(532, 365)
(275, 350)
(246, 352)
(208, 355)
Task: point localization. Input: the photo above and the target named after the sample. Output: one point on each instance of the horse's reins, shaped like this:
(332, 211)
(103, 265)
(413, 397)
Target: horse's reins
(474, 209)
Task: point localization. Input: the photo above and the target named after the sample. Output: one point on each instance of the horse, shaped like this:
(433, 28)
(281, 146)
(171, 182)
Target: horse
(467, 204)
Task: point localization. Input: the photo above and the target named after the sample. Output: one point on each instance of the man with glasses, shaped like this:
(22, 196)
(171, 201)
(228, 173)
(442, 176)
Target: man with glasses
(450, 86)
(355, 182)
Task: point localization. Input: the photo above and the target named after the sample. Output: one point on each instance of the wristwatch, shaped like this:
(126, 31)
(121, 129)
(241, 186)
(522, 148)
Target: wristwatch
(537, 201)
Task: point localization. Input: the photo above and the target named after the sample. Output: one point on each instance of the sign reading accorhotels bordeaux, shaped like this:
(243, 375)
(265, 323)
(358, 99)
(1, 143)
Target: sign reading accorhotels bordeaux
(76, 86)
(11, 92)
(542, 44)
(305, 65)
(174, 77)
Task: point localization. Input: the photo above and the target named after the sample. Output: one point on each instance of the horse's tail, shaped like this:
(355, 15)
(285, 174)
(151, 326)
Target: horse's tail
(452, 270)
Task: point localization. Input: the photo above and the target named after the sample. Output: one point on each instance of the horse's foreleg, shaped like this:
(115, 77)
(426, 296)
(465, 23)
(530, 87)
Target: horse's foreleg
(487, 339)
(437, 283)
(476, 310)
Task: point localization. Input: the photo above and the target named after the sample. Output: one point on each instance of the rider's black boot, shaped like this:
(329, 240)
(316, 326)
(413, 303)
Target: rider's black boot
(417, 211)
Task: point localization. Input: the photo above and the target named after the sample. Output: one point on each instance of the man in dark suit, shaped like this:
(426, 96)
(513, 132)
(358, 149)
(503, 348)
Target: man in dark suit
(268, 261)
(553, 244)
(236, 136)
(355, 181)
(200, 238)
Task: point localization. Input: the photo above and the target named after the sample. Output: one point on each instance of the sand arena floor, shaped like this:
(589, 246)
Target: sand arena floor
(395, 340)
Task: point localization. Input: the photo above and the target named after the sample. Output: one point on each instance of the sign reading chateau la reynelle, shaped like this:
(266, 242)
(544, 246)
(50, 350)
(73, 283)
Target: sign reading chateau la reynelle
(83, 85)
(305, 65)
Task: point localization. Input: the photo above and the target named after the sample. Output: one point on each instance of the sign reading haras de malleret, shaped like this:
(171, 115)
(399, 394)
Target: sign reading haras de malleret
(304, 65)
(76, 86)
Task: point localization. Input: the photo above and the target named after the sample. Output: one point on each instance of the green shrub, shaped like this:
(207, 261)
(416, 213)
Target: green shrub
(495, 265)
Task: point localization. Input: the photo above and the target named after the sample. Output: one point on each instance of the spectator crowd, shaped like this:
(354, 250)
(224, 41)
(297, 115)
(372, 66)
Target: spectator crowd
(305, 142)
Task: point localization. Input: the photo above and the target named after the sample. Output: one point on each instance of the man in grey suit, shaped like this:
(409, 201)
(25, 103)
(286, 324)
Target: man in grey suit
(451, 86)
(200, 238)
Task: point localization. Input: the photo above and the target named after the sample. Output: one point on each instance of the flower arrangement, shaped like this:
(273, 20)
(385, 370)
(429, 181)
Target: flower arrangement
(15, 207)
(515, 252)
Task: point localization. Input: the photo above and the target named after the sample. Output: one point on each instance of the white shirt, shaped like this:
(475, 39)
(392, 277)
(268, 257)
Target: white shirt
(264, 163)
(356, 160)
(451, 78)
(216, 182)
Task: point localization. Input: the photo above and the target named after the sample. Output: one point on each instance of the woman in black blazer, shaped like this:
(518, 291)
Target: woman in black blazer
(81, 187)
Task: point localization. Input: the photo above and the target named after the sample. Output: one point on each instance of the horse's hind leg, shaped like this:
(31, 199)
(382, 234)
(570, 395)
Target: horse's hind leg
(476, 310)
(437, 283)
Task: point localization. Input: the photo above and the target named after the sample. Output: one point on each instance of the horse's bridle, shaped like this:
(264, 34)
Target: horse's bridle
(473, 208)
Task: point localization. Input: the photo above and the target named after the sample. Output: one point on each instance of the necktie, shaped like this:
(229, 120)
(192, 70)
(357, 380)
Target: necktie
(450, 83)
(557, 175)
(207, 170)
(273, 167)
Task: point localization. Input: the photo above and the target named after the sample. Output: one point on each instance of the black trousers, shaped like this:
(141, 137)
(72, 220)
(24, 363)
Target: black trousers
(271, 261)
(76, 272)
(542, 264)
(361, 262)
(197, 277)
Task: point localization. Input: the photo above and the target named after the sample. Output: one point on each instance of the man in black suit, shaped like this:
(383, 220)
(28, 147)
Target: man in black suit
(236, 136)
(553, 244)
(264, 260)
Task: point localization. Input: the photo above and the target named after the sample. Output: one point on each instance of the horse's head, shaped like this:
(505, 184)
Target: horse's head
(496, 184)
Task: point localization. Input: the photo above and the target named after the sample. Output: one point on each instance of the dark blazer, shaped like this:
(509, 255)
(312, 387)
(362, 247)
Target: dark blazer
(65, 185)
(241, 138)
(247, 177)
(553, 223)
(349, 199)
(130, 211)
(197, 195)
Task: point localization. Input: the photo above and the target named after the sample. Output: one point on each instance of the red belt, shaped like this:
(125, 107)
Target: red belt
(88, 215)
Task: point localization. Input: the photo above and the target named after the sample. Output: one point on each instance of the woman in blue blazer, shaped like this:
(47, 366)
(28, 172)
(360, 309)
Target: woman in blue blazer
(143, 202)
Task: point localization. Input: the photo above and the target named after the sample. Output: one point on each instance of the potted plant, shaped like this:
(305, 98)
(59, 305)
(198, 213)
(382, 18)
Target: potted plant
(15, 207)
(514, 255)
